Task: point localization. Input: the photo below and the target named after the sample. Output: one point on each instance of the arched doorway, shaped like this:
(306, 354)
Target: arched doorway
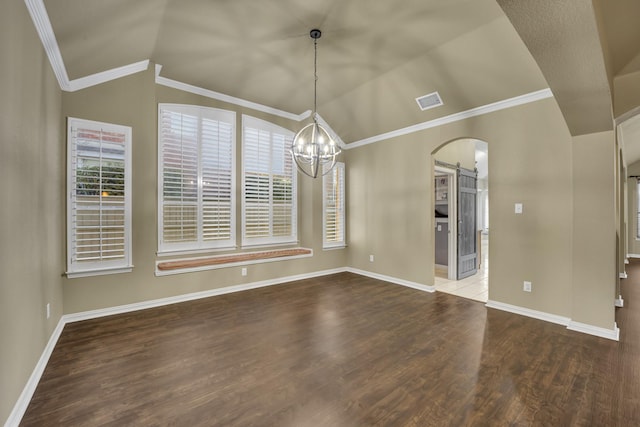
(461, 218)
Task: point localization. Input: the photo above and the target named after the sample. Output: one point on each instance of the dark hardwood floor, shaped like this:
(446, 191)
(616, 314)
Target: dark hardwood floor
(341, 350)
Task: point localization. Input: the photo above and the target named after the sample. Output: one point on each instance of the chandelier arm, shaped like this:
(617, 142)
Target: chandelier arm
(301, 168)
(333, 163)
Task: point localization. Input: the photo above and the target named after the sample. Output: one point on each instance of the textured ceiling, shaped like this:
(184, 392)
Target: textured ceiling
(563, 38)
(620, 37)
(620, 21)
(374, 58)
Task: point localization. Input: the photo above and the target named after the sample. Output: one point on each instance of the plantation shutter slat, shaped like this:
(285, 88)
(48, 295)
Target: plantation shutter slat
(99, 197)
(180, 175)
(196, 164)
(216, 157)
(333, 204)
(269, 201)
(282, 170)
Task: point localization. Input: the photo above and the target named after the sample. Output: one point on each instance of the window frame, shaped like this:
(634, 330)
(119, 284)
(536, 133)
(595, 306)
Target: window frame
(98, 267)
(339, 168)
(199, 246)
(252, 242)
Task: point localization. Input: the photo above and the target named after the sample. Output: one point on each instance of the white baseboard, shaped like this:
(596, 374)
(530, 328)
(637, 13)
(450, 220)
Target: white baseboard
(623, 275)
(23, 401)
(540, 315)
(25, 397)
(27, 393)
(127, 308)
(93, 314)
(619, 302)
(633, 255)
(626, 260)
(407, 283)
(612, 334)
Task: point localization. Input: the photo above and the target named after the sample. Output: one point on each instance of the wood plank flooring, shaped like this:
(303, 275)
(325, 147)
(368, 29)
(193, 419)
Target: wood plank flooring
(341, 350)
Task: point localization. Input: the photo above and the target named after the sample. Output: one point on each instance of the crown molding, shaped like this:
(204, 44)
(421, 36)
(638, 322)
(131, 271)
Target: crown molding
(333, 135)
(164, 81)
(106, 76)
(626, 116)
(40, 18)
(43, 26)
(478, 111)
(226, 98)
(44, 29)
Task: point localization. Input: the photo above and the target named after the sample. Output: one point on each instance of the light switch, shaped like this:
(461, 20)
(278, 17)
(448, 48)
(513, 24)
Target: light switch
(518, 208)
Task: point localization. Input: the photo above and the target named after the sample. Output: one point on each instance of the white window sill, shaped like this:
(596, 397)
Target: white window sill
(89, 273)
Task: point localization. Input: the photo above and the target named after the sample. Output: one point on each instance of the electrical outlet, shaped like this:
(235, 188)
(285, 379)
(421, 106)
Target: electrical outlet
(370, 258)
(244, 271)
(527, 286)
(48, 310)
(518, 208)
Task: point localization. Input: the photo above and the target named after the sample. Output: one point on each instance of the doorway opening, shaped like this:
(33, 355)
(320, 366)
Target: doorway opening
(461, 219)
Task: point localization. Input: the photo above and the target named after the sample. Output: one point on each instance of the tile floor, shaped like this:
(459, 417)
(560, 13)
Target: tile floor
(475, 287)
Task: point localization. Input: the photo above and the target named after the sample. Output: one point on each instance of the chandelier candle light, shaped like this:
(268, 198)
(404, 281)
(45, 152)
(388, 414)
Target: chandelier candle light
(313, 147)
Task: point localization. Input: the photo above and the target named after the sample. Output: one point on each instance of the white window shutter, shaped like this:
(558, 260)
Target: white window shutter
(269, 185)
(99, 204)
(217, 180)
(179, 177)
(196, 164)
(334, 207)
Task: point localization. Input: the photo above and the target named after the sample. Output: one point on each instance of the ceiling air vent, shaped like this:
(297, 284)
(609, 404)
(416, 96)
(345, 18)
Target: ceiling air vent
(429, 101)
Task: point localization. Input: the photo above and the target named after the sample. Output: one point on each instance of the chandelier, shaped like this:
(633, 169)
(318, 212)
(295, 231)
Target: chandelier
(313, 148)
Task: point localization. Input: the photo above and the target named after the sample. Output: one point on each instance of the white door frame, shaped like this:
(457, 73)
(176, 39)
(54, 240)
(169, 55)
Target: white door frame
(452, 270)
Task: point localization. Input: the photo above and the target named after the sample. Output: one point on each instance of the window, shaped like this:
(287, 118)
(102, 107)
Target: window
(99, 198)
(333, 227)
(269, 202)
(197, 193)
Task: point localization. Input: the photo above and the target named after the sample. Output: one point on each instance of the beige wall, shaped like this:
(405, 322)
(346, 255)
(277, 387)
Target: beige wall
(31, 184)
(461, 151)
(390, 192)
(566, 250)
(626, 93)
(594, 229)
(133, 101)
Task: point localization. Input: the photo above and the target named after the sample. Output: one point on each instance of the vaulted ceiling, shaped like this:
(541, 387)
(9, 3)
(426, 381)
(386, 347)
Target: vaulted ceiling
(374, 58)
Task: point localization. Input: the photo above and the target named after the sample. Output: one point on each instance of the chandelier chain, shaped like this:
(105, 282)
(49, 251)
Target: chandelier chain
(315, 78)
